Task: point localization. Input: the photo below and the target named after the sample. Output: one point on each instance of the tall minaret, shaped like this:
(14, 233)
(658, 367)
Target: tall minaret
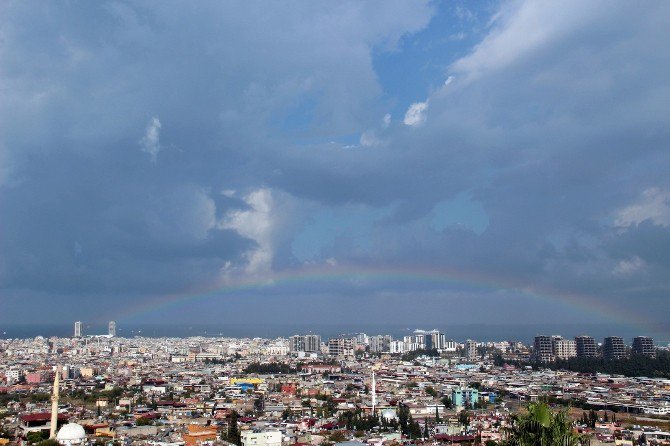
(374, 393)
(54, 403)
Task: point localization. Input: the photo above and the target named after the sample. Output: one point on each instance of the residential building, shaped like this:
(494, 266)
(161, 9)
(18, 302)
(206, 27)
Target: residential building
(379, 344)
(341, 347)
(471, 350)
(261, 438)
(644, 345)
(586, 347)
(613, 348)
(543, 348)
(564, 348)
(77, 329)
(464, 397)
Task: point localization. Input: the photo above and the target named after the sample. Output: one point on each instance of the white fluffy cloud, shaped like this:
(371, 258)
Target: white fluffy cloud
(654, 205)
(255, 223)
(150, 142)
(416, 114)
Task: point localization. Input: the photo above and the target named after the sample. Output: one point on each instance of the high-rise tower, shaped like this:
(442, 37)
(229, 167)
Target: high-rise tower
(644, 345)
(111, 328)
(586, 347)
(613, 348)
(77, 329)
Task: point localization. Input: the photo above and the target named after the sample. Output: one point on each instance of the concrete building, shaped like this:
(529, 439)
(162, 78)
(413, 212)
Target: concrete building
(586, 347)
(471, 350)
(111, 328)
(397, 347)
(341, 347)
(564, 348)
(613, 348)
(305, 343)
(261, 438)
(77, 329)
(379, 344)
(644, 345)
(312, 343)
(543, 348)
(464, 397)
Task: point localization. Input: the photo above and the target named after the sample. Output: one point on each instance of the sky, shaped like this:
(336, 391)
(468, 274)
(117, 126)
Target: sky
(385, 161)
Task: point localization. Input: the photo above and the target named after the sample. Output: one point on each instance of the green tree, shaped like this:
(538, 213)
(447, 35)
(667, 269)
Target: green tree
(542, 427)
(464, 418)
(35, 437)
(233, 433)
(431, 391)
(403, 419)
(414, 428)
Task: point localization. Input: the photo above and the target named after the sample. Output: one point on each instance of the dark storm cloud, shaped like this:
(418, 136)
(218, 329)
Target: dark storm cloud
(155, 147)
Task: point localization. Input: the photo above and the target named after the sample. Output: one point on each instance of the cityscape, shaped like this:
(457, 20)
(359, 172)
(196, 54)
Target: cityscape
(306, 389)
(334, 223)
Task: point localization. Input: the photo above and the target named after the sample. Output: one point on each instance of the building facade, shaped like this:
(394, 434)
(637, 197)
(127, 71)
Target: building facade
(77, 329)
(564, 348)
(586, 347)
(543, 348)
(644, 345)
(471, 350)
(613, 348)
(341, 347)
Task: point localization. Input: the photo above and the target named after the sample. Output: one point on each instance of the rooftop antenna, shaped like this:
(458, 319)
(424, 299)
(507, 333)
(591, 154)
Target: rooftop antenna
(54, 403)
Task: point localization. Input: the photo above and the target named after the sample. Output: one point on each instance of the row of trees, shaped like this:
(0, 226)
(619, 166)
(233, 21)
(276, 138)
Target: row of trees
(411, 356)
(635, 365)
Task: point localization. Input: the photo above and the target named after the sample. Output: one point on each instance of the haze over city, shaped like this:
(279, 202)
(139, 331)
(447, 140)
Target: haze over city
(419, 164)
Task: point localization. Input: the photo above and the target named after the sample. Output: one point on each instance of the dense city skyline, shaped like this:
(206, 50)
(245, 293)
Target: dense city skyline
(386, 162)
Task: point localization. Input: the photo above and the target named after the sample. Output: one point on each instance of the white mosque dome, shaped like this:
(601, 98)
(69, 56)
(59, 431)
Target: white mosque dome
(71, 433)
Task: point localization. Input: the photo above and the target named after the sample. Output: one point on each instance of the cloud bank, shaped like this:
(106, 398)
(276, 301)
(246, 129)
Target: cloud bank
(531, 153)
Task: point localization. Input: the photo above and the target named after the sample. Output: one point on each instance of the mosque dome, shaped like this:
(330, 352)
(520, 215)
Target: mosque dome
(70, 434)
(389, 414)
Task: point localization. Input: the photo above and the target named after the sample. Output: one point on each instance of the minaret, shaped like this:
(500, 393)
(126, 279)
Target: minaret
(54, 403)
(374, 393)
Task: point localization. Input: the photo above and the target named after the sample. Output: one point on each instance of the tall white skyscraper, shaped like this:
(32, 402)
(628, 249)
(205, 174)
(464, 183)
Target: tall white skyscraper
(77, 329)
(111, 328)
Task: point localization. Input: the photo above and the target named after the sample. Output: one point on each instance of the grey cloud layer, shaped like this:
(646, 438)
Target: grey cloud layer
(124, 124)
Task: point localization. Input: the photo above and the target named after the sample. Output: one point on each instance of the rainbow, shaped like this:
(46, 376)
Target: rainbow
(392, 275)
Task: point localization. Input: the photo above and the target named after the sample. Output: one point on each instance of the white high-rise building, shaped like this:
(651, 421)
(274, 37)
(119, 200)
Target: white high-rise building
(111, 328)
(397, 347)
(77, 329)
(565, 348)
(380, 343)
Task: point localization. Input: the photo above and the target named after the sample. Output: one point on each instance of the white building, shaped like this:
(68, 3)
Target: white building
(261, 438)
(397, 347)
(565, 348)
(77, 329)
